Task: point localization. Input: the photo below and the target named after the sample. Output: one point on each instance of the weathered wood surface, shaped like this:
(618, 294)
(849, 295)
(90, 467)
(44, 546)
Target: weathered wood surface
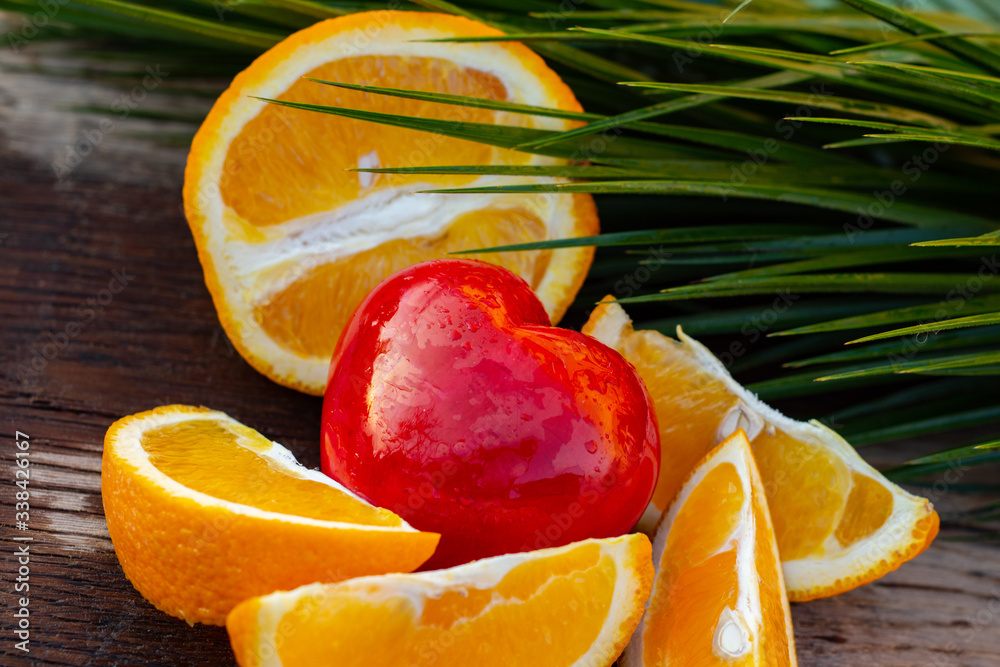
(158, 341)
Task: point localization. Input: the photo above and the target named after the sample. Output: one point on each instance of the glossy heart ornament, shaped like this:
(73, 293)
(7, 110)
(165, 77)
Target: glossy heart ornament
(454, 403)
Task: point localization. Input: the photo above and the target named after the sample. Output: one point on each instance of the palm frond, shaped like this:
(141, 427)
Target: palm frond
(970, 454)
(938, 310)
(799, 143)
(935, 327)
(985, 57)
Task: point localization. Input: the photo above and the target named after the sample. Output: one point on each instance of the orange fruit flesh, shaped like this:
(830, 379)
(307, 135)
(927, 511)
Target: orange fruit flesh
(205, 457)
(299, 157)
(699, 578)
(696, 568)
(689, 404)
(467, 623)
(774, 648)
(279, 209)
(868, 508)
(301, 316)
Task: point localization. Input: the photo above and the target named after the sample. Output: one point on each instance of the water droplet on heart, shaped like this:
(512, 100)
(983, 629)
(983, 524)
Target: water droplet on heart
(591, 446)
(456, 334)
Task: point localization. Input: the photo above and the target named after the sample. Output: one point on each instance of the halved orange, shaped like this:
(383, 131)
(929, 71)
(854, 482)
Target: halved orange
(205, 512)
(839, 523)
(291, 241)
(572, 606)
(718, 593)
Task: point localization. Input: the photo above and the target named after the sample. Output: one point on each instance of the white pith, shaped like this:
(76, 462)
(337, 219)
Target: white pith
(418, 587)
(836, 561)
(747, 617)
(127, 445)
(249, 272)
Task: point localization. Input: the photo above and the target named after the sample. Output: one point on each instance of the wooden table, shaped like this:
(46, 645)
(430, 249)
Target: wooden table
(158, 341)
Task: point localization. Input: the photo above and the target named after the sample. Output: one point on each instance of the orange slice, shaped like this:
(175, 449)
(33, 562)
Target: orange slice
(205, 512)
(839, 523)
(576, 605)
(718, 594)
(291, 241)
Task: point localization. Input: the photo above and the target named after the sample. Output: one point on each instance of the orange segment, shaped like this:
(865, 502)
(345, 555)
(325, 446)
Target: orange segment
(777, 642)
(291, 240)
(868, 508)
(323, 147)
(575, 605)
(811, 481)
(298, 317)
(714, 511)
(193, 452)
(205, 512)
(718, 593)
(838, 522)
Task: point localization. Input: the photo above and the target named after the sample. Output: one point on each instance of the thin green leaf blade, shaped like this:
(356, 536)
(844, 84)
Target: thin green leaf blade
(934, 327)
(960, 46)
(955, 303)
(984, 452)
(902, 212)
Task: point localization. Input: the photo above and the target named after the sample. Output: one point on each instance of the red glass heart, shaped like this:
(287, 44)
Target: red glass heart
(454, 403)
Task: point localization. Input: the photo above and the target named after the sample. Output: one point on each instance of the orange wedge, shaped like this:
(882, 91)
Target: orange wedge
(291, 241)
(572, 606)
(718, 594)
(839, 523)
(205, 512)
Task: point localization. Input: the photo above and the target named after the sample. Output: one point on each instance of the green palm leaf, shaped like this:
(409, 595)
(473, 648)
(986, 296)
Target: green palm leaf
(957, 301)
(889, 283)
(968, 455)
(899, 349)
(847, 105)
(935, 327)
(990, 239)
(752, 164)
(962, 47)
(911, 214)
(969, 363)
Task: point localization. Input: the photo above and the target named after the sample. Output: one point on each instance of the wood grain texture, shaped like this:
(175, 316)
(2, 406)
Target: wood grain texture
(158, 341)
